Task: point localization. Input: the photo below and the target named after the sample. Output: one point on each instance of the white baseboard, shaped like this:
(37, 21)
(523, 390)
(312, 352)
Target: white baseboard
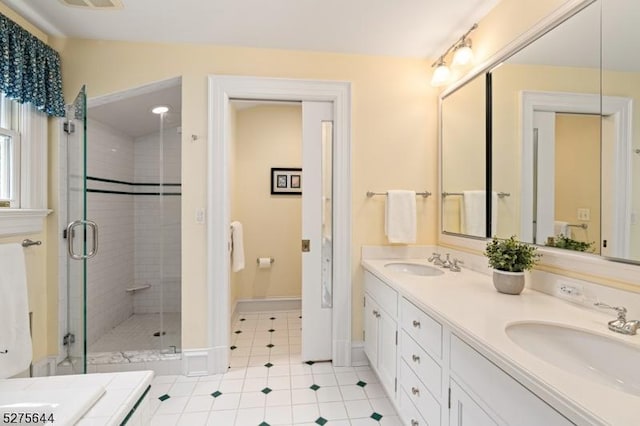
(358, 357)
(45, 367)
(268, 305)
(204, 361)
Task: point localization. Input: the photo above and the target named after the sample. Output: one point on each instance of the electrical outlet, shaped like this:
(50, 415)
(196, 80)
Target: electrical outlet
(200, 215)
(571, 291)
(584, 214)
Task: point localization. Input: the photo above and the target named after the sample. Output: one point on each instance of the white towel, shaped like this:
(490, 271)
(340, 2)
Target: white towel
(474, 213)
(237, 247)
(561, 228)
(15, 337)
(400, 216)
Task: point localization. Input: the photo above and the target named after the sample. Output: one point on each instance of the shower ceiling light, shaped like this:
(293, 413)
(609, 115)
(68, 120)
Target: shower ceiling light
(160, 109)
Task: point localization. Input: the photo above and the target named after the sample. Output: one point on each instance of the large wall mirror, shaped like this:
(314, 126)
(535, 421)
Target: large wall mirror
(565, 137)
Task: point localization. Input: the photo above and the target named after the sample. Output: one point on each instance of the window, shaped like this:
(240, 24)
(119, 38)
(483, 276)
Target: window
(23, 167)
(9, 153)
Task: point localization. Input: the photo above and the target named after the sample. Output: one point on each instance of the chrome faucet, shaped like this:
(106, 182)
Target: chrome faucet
(447, 262)
(435, 258)
(455, 266)
(620, 324)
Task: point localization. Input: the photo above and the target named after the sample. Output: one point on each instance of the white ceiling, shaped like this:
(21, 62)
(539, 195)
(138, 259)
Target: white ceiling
(415, 28)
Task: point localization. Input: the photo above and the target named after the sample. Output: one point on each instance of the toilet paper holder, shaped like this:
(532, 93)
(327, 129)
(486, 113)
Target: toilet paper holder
(271, 259)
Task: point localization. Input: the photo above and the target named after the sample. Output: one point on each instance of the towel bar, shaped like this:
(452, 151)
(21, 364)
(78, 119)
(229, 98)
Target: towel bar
(370, 194)
(28, 243)
(500, 194)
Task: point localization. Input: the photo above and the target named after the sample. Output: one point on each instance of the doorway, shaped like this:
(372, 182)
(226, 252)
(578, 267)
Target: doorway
(221, 90)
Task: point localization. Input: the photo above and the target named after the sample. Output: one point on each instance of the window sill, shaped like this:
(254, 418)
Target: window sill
(22, 221)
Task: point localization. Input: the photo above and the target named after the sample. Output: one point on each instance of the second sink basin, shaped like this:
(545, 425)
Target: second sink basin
(581, 352)
(414, 269)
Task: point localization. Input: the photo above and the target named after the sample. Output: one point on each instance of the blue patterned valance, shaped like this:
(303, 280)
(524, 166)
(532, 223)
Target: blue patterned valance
(30, 69)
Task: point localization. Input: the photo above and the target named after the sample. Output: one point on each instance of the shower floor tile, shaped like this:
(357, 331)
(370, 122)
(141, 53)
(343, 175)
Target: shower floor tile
(136, 333)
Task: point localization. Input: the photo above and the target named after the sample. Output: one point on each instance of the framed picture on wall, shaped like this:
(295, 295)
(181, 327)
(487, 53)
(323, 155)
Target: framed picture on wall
(286, 181)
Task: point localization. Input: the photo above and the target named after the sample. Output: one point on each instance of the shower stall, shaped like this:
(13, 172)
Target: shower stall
(120, 259)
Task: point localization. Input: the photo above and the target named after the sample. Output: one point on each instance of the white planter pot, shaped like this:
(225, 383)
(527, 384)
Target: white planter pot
(508, 282)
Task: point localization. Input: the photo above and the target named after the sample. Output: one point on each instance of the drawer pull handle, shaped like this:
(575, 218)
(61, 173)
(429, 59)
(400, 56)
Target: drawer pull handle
(415, 358)
(415, 391)
(376, 314)
(414, 422)
(416, 324)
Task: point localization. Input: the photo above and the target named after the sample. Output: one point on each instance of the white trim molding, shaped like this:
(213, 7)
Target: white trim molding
(358, 357)
(198, 362)
(221, 90)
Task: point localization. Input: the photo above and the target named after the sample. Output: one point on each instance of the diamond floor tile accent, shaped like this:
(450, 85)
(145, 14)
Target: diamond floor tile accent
(289, 391)
(272, 318)
(243, 319)
(238, 331)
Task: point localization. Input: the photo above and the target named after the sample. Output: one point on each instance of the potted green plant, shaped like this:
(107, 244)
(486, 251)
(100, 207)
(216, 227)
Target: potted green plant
(509, 259)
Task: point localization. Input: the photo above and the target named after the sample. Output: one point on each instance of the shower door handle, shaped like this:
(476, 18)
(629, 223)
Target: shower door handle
(94, 242)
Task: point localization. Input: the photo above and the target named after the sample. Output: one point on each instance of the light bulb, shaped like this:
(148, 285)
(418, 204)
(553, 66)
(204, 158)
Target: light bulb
(160, 109)
(463, 53)
(440, 75)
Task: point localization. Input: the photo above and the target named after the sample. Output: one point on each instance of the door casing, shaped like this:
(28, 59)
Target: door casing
(221, 90)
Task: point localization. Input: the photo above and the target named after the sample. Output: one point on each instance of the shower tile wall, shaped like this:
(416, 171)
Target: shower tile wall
(155, 251)
(132, 248)
(110, 273)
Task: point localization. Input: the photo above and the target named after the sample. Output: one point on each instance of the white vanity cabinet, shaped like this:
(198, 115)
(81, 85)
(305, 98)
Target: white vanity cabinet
(488, 394)
(443, 380)
(381, 330)
(420, 367)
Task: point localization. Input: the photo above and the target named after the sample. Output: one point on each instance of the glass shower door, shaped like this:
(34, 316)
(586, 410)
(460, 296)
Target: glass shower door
(80, 234)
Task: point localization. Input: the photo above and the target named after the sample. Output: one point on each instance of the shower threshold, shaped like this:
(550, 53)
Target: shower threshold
(132, 357)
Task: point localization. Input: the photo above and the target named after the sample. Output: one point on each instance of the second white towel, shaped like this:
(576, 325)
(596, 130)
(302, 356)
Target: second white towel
(400, 216)
(474, 213)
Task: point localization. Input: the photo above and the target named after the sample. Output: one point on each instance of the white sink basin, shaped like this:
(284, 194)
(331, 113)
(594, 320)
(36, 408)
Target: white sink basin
(414, 269)
(586, 354)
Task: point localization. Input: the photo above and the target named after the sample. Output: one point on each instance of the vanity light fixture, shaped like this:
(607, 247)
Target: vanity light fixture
(462, 55)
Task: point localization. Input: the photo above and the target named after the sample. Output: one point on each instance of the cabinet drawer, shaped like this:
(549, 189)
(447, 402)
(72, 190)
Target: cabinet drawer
(409, 413)
(499, 391)
(418, 393)
(427, 370)
(386, 297)
(424, 329)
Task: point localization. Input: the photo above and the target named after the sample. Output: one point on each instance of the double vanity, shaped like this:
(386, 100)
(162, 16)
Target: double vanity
(450, 350)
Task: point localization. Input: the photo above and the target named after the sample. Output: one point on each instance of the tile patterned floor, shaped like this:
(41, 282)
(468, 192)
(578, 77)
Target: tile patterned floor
(268, 385)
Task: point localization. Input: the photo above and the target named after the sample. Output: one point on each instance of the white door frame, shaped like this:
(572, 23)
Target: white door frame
(618, 107)
(221, 90)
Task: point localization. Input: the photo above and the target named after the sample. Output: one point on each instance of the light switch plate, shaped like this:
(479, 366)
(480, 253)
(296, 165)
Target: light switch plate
(584, 214)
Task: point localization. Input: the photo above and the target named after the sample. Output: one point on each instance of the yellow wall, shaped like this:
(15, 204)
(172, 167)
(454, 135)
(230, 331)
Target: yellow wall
(393, 133)
(577, 174)
(268, 136)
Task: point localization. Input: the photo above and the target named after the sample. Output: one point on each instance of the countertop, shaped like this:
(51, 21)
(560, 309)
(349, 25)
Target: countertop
(122, 391)
(470, 306)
